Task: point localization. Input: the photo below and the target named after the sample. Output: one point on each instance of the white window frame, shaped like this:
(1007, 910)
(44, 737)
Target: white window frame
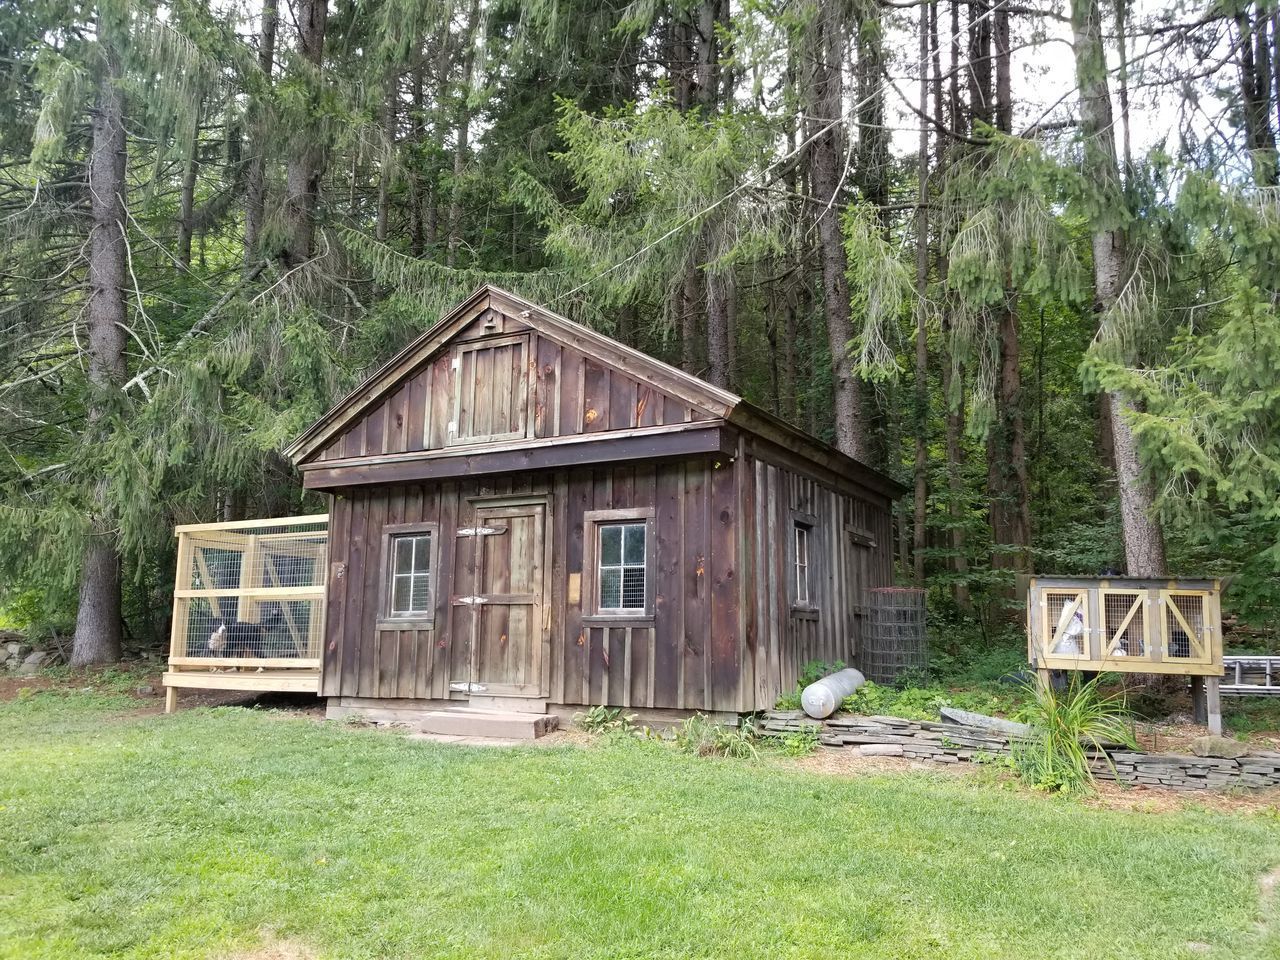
(803, 586)
(392, 535)
(594, 521)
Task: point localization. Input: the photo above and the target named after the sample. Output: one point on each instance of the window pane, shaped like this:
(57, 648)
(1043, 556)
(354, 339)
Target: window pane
(420, 598)
(400, 595)
(422, 554)
(633, 543)
(633, 588)
(404, 555)
(610, 588)
(611, 544)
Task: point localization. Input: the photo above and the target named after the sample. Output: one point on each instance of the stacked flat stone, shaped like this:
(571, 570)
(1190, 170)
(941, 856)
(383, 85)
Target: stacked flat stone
(895, 737)
(954, 743)
(1190, 773)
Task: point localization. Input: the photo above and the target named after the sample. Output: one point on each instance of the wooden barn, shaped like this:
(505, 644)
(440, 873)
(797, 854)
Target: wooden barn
(528, 514)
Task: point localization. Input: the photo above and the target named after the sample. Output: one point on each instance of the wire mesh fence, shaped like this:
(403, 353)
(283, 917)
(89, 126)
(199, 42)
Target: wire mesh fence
(250, 593)
(895, 642)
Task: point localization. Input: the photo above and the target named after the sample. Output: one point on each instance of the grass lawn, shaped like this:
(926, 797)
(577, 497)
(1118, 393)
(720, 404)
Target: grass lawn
(214, 832)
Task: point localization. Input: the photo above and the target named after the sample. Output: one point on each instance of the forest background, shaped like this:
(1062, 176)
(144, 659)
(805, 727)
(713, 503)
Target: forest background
(1023, 256)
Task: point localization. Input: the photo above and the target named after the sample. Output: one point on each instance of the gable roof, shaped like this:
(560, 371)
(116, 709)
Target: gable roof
(714, 401)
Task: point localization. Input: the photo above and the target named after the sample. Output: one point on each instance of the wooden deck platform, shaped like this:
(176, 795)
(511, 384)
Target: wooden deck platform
(264, 681)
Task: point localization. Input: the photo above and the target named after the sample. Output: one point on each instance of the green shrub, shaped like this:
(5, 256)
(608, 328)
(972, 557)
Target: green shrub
(802, 742)
(1067, 725)
(700, 736)
(602, 719)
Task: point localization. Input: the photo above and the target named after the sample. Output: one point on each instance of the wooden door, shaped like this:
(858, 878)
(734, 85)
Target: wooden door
(504, 618)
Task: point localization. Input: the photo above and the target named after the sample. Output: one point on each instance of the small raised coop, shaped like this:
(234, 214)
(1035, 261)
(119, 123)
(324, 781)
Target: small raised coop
(248, 606)
(1130, 625)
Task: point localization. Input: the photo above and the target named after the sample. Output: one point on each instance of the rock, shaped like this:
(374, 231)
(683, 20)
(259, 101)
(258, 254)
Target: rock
(1210, 746)
(969, 719)
(16, 651)
(880, 750)
(146, 690)
(33, 662)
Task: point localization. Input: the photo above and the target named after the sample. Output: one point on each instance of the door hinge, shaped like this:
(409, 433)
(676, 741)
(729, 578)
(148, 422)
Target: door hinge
(461, 686)
(470, 600)
(480, 531)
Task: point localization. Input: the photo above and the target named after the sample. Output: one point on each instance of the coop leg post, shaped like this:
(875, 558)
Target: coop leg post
(1213, 704)
(170, 699)
(1199, 706)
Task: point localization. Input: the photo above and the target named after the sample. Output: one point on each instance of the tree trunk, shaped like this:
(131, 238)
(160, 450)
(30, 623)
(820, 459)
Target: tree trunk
(1255, 67)
(958, 116)
(1143, 537)
(979, 67)
(388, 163)
(1002, 54)
(921, 466)
(718, 310)
(307, 156)
(255, 175)
(689, 304)
(187, 197)
(462, 135)
(417, 232)
(97, 636)
(826, 164)
(872, 166)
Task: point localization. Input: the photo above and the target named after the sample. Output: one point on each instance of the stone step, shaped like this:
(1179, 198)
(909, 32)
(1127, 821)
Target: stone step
(502, 724)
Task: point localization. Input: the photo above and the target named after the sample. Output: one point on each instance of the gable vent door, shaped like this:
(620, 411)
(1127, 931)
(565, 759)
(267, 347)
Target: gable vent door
(490, 391)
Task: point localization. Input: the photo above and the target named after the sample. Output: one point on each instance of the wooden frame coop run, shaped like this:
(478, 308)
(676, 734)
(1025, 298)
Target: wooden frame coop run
(1131, 625)
(248, 606)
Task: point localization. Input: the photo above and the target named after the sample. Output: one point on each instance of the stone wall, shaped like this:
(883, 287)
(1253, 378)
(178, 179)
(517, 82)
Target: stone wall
(953, 743)
(1190, 773)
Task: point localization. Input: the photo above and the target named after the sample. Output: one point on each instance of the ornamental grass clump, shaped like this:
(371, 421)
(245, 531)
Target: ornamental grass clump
(1068, 727)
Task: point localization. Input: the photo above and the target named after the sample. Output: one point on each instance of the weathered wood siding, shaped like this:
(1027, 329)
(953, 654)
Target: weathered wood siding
(849, 552)
(688, 656)
(555, 391)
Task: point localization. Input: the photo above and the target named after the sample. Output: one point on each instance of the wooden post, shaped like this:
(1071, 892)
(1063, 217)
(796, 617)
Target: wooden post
(1199, 704)
(170, 699)
(1213, 704)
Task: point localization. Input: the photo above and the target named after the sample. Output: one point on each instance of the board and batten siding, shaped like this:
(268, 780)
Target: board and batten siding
(724, 635)
(687, 657)
(571, 394)
(848, 552)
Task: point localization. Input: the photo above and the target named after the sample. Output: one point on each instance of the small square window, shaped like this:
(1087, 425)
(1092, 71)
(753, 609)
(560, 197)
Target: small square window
(618, 565)
(410, 575)
(623, 562)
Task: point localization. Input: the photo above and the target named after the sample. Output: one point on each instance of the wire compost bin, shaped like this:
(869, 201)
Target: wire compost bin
(896, 641)
(1130, 625)
(248, 606)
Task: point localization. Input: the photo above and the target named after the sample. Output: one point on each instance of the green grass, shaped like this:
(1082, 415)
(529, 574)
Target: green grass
(213, 831)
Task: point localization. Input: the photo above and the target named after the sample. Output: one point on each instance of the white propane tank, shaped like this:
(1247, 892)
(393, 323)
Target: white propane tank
(822, 698)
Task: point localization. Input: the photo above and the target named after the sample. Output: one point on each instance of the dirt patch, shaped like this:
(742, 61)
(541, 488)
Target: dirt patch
(276, 950)
(11, 687)
(847, 763)
(1175, 736)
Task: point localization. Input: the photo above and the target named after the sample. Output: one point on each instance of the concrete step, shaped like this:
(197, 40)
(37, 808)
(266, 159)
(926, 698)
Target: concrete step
(502, 724)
